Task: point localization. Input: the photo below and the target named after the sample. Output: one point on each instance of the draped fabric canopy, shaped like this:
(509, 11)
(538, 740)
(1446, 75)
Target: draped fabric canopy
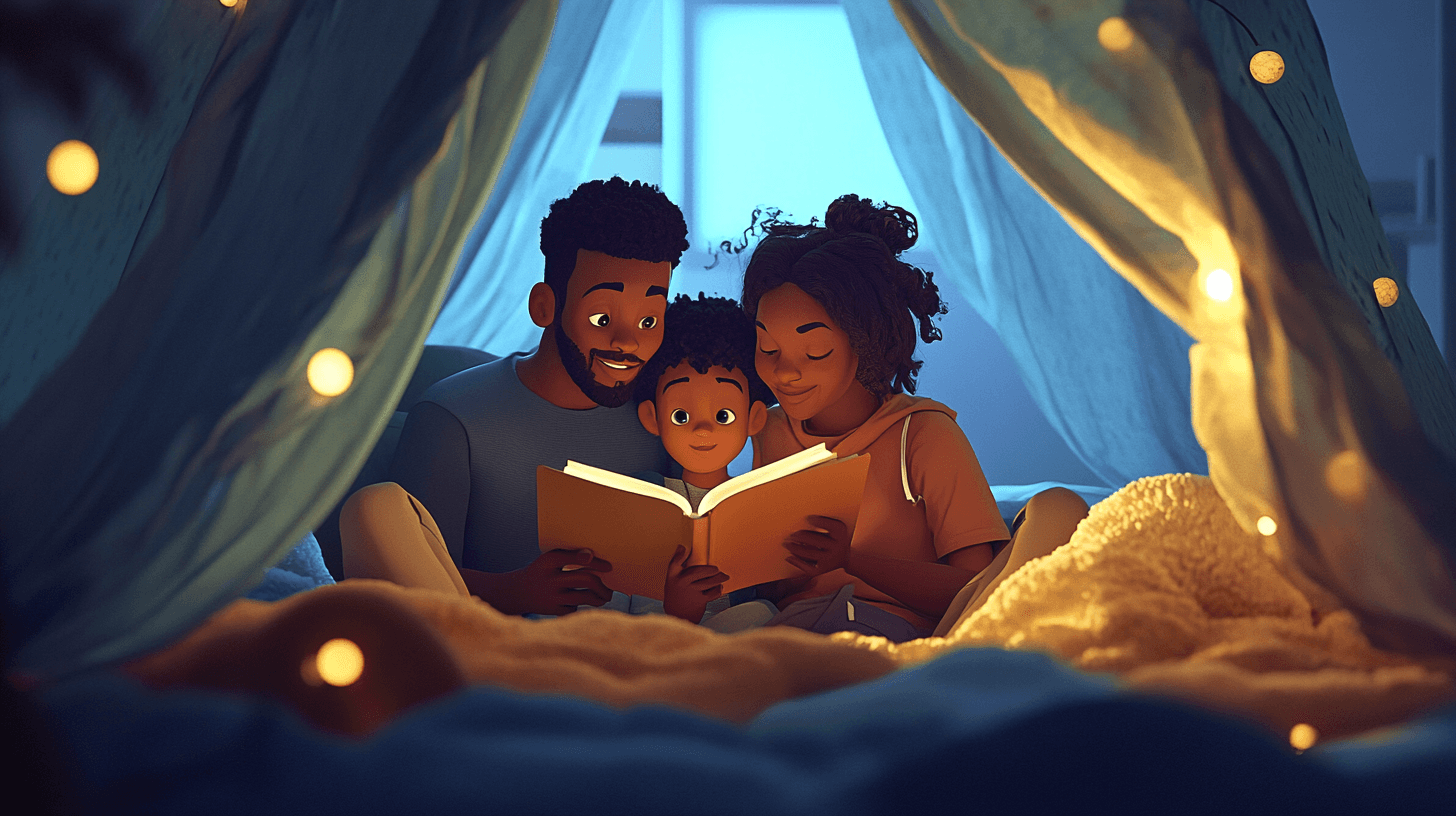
(317, 196)
(1114, 111)
(1107, 369)
(175, 454)
(564, 120)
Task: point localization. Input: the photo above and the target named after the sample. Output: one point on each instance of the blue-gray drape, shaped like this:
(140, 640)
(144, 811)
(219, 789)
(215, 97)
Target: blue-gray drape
(1106, 367)
(564, 121)
(318, 188)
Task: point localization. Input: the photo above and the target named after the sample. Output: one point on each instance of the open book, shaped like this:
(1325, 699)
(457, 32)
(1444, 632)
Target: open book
(739, 526)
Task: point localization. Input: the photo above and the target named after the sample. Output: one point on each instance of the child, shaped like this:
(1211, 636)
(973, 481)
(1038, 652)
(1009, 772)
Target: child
(701, 395)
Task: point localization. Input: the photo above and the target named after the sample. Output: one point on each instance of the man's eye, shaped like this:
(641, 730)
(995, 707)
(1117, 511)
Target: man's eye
(599, 320)
(725, 416)
(646, 322)
(679, 417)
(820, 357)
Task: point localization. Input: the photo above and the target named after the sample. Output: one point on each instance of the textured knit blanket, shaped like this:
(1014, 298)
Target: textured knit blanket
(1161, 586)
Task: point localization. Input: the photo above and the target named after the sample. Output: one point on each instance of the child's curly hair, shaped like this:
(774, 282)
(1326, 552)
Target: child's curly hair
(705, 332)
(620, 219)
(852, 267)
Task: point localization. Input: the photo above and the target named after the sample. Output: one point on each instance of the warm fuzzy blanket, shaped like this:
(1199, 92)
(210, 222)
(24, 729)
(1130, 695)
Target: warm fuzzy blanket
(1158, 586)
(1161, 586)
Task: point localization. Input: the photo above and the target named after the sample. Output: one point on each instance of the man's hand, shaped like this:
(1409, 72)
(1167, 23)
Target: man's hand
(688, 589)
(822, 548)
(556, 583)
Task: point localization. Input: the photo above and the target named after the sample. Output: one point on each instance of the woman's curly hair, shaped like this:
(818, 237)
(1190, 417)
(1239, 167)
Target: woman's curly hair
(624, 220)
(851, 266)
(706, 332)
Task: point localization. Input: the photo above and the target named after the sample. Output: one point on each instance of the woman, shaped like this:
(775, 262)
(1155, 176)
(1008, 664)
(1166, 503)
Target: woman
(836, 312)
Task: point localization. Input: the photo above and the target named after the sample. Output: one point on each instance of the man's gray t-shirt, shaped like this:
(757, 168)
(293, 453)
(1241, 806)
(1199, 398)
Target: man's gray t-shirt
(470, 449)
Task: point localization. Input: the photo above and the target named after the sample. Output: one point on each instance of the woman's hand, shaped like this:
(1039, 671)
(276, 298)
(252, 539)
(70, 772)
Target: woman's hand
(822, 548)
(688, 589)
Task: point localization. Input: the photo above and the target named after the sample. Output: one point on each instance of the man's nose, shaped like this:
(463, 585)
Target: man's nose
(624, 338)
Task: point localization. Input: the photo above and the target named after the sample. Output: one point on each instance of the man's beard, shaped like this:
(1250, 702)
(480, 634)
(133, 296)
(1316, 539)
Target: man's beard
(578, 367)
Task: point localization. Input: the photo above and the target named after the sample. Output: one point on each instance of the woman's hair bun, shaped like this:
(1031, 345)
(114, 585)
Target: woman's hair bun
(895, 226)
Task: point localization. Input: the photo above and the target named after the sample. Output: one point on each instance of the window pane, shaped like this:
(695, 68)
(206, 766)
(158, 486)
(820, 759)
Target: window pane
(782, 118)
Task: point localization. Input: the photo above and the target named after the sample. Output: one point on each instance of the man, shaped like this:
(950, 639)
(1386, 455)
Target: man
(470, 447)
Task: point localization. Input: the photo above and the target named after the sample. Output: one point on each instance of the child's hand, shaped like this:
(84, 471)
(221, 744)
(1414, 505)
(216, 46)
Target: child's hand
(821, 550)
(688, 589)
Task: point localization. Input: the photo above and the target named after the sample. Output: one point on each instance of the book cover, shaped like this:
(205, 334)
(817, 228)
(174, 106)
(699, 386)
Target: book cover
(739, 527)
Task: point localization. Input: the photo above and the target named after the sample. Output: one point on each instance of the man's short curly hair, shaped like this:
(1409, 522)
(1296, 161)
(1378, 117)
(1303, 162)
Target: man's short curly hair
(705, 332)
(624, 220)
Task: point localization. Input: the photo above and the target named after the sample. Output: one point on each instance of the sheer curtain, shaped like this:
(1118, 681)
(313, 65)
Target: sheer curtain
(1115, 113)
(318, 196)
(1107, 368)
(559, 133)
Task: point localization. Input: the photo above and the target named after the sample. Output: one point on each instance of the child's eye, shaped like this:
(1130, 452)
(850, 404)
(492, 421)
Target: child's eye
(599, 320)
(679, 417)
(768, 352)
(647, 322)
(820, 357)
(725, 416)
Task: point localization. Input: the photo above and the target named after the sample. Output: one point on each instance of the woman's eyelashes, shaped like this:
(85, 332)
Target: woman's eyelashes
(820, 357)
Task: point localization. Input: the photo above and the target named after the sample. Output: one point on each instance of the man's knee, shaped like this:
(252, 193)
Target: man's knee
(371, 500)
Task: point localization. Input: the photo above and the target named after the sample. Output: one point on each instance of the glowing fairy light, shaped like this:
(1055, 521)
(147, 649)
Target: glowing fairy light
(1345, 475)
(330, 372)
(339, 662)
(1219, 285)
(1303, 736)
(1115, 34)
(1267, 526)
(228, 3)
(1266, 67)
(72, 167)
(1387, 291)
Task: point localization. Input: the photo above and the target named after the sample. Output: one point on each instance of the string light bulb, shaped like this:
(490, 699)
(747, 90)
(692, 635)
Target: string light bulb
(330, 372)
(228, 3)
(1267, 67)
(339, 662)
(72, 167)
(1345, 475)
(1219, 285)
(1267, 526)
(1387, 291)
(1115, 34)
(1303, 736)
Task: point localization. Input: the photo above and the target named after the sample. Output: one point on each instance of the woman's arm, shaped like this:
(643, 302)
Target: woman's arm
(927, 587)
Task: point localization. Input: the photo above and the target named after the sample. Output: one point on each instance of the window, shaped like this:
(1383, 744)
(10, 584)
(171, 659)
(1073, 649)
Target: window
(731, 105)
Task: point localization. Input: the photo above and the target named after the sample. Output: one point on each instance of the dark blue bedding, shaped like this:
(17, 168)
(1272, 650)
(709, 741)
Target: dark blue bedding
(973, 729)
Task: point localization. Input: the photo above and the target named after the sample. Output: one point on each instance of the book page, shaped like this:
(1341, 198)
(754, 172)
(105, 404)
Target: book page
(806, 458)
(636, 533)
(746, 532)
(631, 484)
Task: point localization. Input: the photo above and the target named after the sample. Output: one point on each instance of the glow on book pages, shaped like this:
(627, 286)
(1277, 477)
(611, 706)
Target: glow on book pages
(806, 458)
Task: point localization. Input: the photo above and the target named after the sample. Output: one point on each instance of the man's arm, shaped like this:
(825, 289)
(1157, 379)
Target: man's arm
(432, 462)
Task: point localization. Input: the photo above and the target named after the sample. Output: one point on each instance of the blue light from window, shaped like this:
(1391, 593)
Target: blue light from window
(783, 118)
